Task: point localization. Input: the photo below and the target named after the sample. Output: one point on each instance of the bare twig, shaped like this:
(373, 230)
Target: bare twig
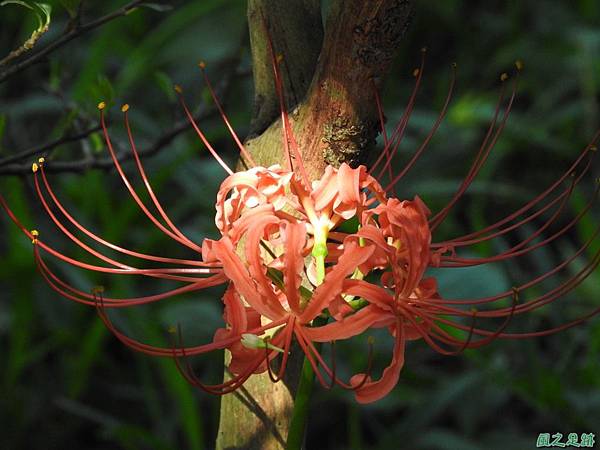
(69, 35)
(89, 162)
(44, 149)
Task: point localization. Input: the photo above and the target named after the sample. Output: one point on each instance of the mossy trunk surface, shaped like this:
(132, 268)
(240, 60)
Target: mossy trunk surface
(330, 72)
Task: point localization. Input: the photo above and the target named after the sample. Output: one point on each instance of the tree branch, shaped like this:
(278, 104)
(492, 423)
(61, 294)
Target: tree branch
(205, 111)
(46, 148)
(69, 35)
(287, 24)
(337, 121)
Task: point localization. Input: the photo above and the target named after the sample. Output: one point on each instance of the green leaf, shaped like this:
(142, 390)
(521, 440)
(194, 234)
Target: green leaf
(47, 11)
(103, 89)
(16, 2)
(165, 83)
(160, 7)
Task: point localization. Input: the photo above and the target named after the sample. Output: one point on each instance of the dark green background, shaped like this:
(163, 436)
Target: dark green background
(65, 382)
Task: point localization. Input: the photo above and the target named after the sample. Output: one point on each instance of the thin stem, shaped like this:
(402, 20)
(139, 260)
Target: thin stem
(299, 421)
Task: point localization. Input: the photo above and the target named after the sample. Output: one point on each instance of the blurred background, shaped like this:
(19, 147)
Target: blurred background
(66, 382)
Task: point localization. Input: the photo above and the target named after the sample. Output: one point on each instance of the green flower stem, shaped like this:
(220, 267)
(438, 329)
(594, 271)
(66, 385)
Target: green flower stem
(299, 421)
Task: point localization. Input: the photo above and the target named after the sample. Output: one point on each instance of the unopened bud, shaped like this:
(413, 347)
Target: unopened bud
(252, 341)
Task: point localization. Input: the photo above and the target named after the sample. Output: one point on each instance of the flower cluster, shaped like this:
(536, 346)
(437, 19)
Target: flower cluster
(319, 261)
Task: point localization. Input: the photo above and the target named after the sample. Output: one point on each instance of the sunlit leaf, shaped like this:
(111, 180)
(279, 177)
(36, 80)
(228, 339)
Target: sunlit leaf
(43, 27)
(160, 7)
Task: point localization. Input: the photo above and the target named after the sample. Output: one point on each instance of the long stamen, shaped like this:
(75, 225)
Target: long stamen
(245, 154)
(517, 251)
(290, 144)
(529, 284)
(199, 132)
(564, 196)
(138, 162)
(190, 376)
(560, 291)
(168, 352)
(483, 153)
(432, 132)
(150, 272)
(130, 188)
(333, 367)
(380, 114)
(108, 244)
(398, 133)
(71, 293)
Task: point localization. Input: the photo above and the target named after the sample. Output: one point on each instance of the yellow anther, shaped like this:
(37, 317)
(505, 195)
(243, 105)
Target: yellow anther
(178, 89)
(416, 72)
(454, 65)
(125, 108)
(370, 340)
(593, 148)
(202, 65)
(34, 235)
(504, 77)
(279, 58)
(172, 329)
(41, 160)
(101, 106)
(34, 167)
(519, 64)
(473, 311)
(423, 49)
(97, 290)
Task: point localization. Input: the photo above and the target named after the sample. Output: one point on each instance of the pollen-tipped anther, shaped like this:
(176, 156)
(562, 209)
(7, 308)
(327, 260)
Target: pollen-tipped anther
(125, 108)
(416, 72)
(202, 65)
(519, 64)
(35, 167)
(504, 76)
(279, 58)
(41, 160)
(97, 290)
(101, 106)
(178, 89)
(34, 235)
(593, 148)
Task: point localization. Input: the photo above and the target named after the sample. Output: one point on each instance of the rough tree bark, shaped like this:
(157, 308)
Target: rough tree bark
(329, 82)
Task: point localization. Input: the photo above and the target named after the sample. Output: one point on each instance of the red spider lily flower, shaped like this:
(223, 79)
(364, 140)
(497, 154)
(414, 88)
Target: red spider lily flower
(325, 260)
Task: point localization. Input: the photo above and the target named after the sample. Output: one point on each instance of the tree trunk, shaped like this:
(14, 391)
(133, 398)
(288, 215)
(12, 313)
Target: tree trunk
(330, 79)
